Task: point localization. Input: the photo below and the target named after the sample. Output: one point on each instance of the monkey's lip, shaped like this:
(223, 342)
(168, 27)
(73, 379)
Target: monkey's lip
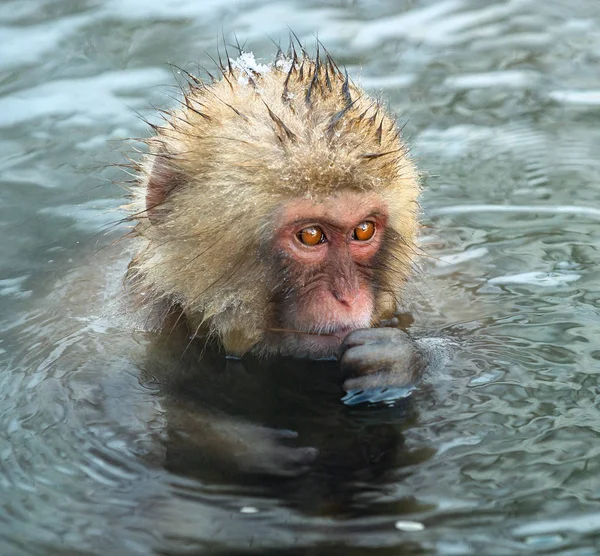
(333, 335)
(341, 333)
(337, 334)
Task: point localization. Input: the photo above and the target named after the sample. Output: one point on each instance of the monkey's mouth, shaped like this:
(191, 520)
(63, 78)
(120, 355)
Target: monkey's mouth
(339, 333)
(320, 344)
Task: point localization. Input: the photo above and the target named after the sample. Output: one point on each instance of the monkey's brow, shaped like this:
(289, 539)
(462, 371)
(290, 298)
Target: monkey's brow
(331, 222)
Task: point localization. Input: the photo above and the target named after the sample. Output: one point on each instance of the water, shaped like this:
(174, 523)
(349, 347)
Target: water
(497, 454)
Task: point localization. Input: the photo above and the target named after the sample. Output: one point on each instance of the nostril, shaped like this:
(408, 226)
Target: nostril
(345, 298)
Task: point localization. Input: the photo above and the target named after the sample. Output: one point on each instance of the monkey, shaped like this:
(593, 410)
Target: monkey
(276, 213)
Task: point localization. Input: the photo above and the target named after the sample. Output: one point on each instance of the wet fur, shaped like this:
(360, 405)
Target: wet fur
(228, 158)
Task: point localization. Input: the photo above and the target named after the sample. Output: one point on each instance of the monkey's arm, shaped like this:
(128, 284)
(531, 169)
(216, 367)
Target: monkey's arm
(376, 358)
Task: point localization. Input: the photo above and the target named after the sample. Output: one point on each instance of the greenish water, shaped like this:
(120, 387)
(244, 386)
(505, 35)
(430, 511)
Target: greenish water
(498, 453)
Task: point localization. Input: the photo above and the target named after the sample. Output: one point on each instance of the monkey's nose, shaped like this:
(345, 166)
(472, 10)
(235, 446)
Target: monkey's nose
(347, 298)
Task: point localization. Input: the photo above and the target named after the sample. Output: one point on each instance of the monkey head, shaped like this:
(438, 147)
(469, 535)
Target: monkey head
(276, 208)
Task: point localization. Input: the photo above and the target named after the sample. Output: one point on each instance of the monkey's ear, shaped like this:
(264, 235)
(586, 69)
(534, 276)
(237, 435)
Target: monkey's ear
(163, 179)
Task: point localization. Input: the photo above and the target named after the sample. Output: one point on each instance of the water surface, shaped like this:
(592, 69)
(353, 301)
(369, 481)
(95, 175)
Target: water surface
(498, 453)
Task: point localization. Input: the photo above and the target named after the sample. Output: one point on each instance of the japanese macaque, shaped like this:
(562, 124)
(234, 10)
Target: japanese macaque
(277, 213)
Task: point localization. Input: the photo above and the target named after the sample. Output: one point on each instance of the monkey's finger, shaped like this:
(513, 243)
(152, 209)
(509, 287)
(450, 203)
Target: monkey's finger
(382, 381)
(374, 336)
(370, 358)
(293, 461)
(284, 434)
(303, 456)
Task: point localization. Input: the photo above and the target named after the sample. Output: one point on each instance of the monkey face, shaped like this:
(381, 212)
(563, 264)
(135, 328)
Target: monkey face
(276, 210)
(325, 252)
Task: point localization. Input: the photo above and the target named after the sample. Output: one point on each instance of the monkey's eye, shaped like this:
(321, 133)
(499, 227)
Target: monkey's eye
(311, 236)
(364, 231)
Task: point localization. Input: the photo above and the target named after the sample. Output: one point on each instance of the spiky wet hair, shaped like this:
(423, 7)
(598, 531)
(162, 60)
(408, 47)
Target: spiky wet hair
(235, 150)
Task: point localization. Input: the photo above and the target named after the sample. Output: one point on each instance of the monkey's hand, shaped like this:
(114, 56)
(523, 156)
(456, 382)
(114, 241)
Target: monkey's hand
(263, 452)
(380, 359)
(211, 440)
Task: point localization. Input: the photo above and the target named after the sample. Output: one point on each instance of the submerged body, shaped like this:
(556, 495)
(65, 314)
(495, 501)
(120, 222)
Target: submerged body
(277, 213)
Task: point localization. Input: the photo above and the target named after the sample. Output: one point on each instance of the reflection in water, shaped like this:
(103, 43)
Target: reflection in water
(105, 450)
(277, 426)
(278, 434)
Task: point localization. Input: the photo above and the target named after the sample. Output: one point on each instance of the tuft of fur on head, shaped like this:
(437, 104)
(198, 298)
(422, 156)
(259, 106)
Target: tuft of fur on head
(229, 156)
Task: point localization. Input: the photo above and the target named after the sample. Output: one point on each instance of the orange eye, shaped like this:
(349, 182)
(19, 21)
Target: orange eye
(364, 231)
(311, 236)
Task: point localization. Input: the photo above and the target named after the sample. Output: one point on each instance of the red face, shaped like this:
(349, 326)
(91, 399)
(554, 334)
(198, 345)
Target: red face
(326, 253)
